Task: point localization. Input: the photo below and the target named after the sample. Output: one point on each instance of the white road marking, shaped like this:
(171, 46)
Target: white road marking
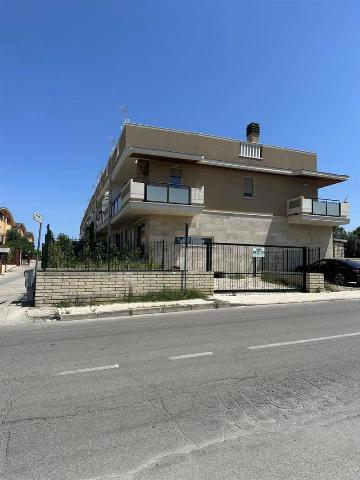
(191, 355)
(307, 340)
(85, 370)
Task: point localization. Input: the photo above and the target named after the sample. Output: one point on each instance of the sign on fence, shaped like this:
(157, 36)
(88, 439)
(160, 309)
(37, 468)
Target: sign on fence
(4, 250)
(258, 252)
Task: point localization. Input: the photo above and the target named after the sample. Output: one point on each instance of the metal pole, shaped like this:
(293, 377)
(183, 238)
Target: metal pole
(109, 219)
(38, 248)
(37, 257)
(305, 268)
(185, 260)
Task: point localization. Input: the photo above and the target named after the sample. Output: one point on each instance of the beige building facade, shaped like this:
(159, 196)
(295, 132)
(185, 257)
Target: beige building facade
(226, 190)
(7, 222)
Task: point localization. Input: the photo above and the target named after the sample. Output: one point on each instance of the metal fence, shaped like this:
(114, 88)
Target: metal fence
(156, 255)
(236, 267)
(250, 267)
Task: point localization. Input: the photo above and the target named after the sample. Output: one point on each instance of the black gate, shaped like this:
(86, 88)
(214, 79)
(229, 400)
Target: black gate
(250, 267)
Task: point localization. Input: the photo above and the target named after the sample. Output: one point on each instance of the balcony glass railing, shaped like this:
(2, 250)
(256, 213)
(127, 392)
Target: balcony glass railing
(116, 206)
(330, 208)
(164, 193)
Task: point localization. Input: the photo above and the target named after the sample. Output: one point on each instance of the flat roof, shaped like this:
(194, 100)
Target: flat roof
(208, 135)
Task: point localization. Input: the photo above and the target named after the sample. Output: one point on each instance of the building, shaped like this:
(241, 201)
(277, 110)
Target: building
(7, 222)
(227, 190)
(30, 236)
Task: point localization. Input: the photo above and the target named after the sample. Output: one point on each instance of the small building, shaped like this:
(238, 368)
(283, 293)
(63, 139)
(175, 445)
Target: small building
(6, 223)
(226, 190)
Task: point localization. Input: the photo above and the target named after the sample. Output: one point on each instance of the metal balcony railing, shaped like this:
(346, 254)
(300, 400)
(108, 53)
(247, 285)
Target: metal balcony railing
(325, 207)
(167, 193)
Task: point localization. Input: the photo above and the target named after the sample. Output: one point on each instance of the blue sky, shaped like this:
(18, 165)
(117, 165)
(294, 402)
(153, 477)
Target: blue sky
(201, 65)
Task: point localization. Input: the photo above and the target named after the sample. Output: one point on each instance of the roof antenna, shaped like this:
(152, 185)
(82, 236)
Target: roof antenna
(124, 113)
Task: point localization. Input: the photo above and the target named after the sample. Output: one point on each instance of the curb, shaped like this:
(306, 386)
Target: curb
(292, 302)
(130, 312)
(143, 311)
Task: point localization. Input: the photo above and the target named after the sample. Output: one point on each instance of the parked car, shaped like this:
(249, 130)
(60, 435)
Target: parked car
(338, 271)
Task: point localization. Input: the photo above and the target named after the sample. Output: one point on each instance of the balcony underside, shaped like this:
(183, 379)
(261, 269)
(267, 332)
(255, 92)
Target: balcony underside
(321, 220)
(134, 210)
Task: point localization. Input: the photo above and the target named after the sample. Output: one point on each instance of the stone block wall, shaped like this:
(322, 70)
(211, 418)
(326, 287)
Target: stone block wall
(315, 282)
(236, 227)
(339, 248)
(54, 287)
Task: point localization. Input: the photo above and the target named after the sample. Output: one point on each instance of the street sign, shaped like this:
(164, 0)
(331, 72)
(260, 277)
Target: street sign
(37, 217)
(258, 252)
(4, 250)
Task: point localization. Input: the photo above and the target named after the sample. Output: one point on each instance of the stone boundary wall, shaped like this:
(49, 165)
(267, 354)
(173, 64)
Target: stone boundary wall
(56, 286)
(314, 281)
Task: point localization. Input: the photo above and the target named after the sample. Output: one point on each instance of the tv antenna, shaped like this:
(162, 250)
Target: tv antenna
(124, 113)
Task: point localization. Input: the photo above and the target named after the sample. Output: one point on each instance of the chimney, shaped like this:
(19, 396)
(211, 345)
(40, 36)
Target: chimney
(253, 132)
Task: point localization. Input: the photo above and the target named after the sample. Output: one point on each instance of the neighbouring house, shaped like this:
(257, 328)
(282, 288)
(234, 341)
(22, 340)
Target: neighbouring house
(20, 227)
(30, 236)
(6, 223)
(226, 190)
(339, 245)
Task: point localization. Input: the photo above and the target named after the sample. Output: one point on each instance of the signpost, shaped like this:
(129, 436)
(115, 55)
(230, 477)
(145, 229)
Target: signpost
(258, 252)
(38, 218)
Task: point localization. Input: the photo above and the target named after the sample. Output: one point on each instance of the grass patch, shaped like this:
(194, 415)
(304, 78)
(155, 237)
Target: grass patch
(272, 278)
(162, 296)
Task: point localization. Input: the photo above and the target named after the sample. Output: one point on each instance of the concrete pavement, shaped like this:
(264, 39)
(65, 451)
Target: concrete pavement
(12, 294)
(185, 396)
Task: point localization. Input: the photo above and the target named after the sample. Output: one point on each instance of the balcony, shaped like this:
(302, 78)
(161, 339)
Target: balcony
(317, 211)
(138, 199)
(250, 150)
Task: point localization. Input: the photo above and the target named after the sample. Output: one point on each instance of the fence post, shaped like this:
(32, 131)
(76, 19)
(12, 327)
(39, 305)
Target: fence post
(185, 259)
(163, 255)
(208, 256)
(304, 261)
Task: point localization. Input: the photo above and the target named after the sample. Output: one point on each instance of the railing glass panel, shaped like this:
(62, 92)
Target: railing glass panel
(179, 195)
(333, 209)
(156, 193)
(319, 207)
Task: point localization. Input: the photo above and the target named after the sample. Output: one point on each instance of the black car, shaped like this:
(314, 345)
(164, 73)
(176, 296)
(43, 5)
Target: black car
(336, 271)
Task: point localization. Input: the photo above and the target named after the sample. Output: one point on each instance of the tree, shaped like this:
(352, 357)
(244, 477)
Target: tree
(356, 232)
(49, 238)
(352, 247)
(340, 232)
(18, 243)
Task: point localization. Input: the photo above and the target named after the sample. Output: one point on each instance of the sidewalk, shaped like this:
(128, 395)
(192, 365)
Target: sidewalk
(272, 298)
(12, 294)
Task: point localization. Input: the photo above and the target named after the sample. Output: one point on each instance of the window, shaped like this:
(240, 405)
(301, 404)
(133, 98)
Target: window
(249, 189)
(193, 240)
(175, 177)
(142, 170)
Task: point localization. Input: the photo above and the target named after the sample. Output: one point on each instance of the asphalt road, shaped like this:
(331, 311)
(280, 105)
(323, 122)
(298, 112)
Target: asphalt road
(248, 408)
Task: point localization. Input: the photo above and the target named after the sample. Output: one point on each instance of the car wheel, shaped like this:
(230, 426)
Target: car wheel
(339, 279)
